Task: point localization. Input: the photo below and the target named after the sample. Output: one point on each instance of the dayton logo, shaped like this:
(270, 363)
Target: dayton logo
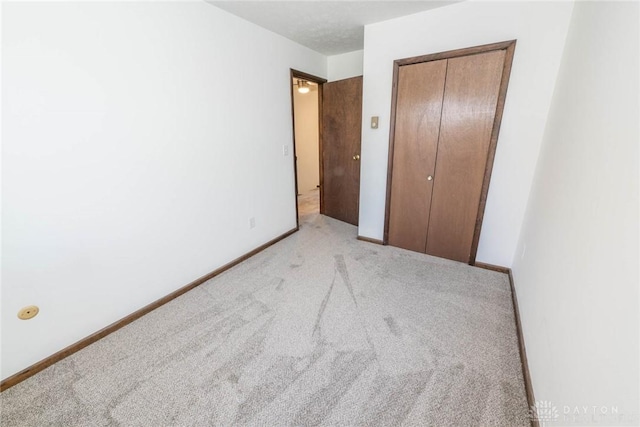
(543, 412)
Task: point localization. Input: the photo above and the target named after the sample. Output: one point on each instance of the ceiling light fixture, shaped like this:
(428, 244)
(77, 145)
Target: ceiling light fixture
(303, 86)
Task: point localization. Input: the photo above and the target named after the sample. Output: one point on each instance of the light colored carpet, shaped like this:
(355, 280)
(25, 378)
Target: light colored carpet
(319, 329)
(309, 202)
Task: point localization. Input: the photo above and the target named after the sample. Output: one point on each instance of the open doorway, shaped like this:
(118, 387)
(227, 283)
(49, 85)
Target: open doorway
(306, 97)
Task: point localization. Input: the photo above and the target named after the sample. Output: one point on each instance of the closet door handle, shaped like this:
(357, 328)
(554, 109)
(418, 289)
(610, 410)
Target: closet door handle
(429, 178)
(356, 157)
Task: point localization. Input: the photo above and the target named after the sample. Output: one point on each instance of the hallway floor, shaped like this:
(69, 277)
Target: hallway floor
(309, 202)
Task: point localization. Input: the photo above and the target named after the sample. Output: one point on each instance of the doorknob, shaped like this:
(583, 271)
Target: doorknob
(429, 178)
(356, 157)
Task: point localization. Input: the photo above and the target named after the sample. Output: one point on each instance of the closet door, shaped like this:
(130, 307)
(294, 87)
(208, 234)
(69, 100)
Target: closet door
(468, 113)
(446, 114)
(419, 105)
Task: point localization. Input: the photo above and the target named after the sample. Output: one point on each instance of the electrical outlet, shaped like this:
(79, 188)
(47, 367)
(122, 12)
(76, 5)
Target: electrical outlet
(252, 222)
(285, 150)
(28, 312)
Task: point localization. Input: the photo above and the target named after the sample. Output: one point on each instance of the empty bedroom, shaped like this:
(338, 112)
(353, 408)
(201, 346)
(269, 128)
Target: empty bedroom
(352, 213)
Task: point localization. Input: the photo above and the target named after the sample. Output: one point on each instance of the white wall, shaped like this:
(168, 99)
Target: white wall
(345, 65)
(540, 28)
(138, 140)
(576, 272)
(307, 136)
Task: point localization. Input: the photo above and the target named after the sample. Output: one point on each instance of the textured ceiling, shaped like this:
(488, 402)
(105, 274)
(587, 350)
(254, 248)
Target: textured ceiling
(328, 27)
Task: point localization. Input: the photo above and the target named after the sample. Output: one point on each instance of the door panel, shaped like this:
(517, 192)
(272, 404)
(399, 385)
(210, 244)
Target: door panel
(418, 108)
(341, 132)
(469, 107)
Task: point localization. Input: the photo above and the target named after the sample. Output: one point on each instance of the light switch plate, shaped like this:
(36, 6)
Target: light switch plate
(374, 122)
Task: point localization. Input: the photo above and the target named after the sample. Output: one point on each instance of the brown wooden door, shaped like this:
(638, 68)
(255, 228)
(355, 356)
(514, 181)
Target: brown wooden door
(341, 133)
(468, 112)
(445, 121)
(420, 90)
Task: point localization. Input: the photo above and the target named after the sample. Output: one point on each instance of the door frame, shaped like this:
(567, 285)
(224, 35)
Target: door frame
(509, 46)
(295, 74)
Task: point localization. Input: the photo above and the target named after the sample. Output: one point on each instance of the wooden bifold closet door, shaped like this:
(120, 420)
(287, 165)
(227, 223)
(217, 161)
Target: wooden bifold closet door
(447, 115)
(418, 112)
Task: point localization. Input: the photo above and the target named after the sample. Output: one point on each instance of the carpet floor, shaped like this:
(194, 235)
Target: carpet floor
(319, 329)
(309, 202)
